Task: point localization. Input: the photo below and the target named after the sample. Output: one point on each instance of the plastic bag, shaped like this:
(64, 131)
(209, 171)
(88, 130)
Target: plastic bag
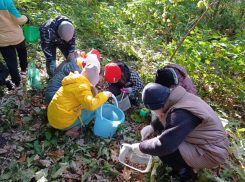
(33, 76)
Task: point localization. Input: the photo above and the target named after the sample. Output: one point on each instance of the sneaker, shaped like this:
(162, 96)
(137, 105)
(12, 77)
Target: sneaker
(17, 87)
(23, 75)
(135, 102)
(182, 175)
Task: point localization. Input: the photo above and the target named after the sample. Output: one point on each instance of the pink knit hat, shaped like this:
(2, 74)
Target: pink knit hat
(91, 72)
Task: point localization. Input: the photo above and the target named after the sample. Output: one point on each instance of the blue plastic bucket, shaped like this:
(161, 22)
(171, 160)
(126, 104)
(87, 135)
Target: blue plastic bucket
(108, 118)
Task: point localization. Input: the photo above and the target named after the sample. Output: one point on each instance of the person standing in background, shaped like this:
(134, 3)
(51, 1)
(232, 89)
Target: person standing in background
(12, 40)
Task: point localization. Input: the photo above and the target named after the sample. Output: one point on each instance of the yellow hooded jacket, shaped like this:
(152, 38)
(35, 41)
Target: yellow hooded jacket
(73, 96)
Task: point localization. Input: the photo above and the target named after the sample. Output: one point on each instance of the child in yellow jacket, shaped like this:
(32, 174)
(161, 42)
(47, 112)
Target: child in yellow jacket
(73, 105)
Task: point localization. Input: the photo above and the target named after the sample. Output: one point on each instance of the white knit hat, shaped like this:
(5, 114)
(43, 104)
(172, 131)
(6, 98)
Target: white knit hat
(92, 59)
(66, 30)
(91, 72)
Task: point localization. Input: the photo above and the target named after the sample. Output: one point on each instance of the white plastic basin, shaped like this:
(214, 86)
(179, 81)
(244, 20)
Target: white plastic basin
(126, 151)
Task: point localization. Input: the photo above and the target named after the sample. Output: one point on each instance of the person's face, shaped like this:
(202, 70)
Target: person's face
(159, 111)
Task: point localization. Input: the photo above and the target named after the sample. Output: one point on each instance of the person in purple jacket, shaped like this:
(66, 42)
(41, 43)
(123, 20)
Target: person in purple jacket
(192, 135)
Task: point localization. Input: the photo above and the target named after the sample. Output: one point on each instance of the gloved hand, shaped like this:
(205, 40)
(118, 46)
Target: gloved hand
(146, 131)
(136, 149)
(126, 90)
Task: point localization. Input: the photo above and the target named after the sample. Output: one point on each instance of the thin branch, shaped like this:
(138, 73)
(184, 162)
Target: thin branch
(192, 29)
(216, 9)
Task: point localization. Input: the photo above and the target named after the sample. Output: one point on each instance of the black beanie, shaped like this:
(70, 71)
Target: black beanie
(164, 77)
(154, 96)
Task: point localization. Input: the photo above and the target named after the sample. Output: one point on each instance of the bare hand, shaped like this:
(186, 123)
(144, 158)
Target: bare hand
(108, 94)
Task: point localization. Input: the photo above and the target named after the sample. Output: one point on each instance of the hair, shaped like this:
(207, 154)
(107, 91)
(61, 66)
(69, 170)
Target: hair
(123, 79)
(94, 91)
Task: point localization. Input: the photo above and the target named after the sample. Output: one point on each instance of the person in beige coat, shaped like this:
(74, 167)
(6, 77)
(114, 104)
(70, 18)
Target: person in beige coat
(192, 135)
(12, 40)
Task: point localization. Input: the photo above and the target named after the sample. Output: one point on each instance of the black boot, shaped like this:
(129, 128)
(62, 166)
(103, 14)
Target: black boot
(182, 175)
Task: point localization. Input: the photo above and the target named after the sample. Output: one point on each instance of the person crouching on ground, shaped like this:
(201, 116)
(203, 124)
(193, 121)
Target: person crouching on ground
(120, 78)
(73, 106)
(192, 135)
(173, 75)
(72, 64)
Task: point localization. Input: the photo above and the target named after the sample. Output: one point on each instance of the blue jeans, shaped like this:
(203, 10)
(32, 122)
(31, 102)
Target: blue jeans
(86, 117)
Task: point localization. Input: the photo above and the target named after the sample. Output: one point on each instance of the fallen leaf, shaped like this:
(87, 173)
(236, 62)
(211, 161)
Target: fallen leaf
(17, 118)
(23, 158)
(126, 173)
(57, 153)
(10, 147)
(44, 107)
(139, 176)
(36, 157)
(92, 153)
(3, 151)
(45, 163)
(230, 135)
(114, 152)
(71, 176)
(34, 99)
(31, 113)
(42, 179)
(65, 172)
(38, 105)
(36, 126)
(17, 137)
(29, 139)
(114, 144)
(114, 158)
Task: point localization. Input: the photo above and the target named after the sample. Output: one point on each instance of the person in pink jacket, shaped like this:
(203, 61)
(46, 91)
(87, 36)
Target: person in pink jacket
(174, 75)
(12, 40)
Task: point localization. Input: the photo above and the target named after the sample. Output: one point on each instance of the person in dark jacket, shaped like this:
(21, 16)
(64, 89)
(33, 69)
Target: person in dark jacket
(192, 135)
(121, 78)
(4, 73)
(173, 75)
(58, 32)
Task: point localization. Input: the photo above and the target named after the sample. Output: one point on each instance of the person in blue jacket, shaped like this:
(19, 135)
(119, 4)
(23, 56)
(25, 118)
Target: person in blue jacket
(73, 63)
(55, 83)
(58, 32)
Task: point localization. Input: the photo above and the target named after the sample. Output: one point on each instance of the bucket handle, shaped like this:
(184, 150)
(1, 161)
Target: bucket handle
(115, 99)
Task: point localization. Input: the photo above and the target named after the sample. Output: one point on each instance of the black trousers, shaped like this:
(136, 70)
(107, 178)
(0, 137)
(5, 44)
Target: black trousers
(10, 57)
(174, 160)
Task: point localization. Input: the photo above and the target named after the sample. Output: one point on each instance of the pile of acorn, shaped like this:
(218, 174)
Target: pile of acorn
(135, 165)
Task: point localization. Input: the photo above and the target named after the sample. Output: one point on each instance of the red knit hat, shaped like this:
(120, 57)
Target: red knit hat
(113, 73)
